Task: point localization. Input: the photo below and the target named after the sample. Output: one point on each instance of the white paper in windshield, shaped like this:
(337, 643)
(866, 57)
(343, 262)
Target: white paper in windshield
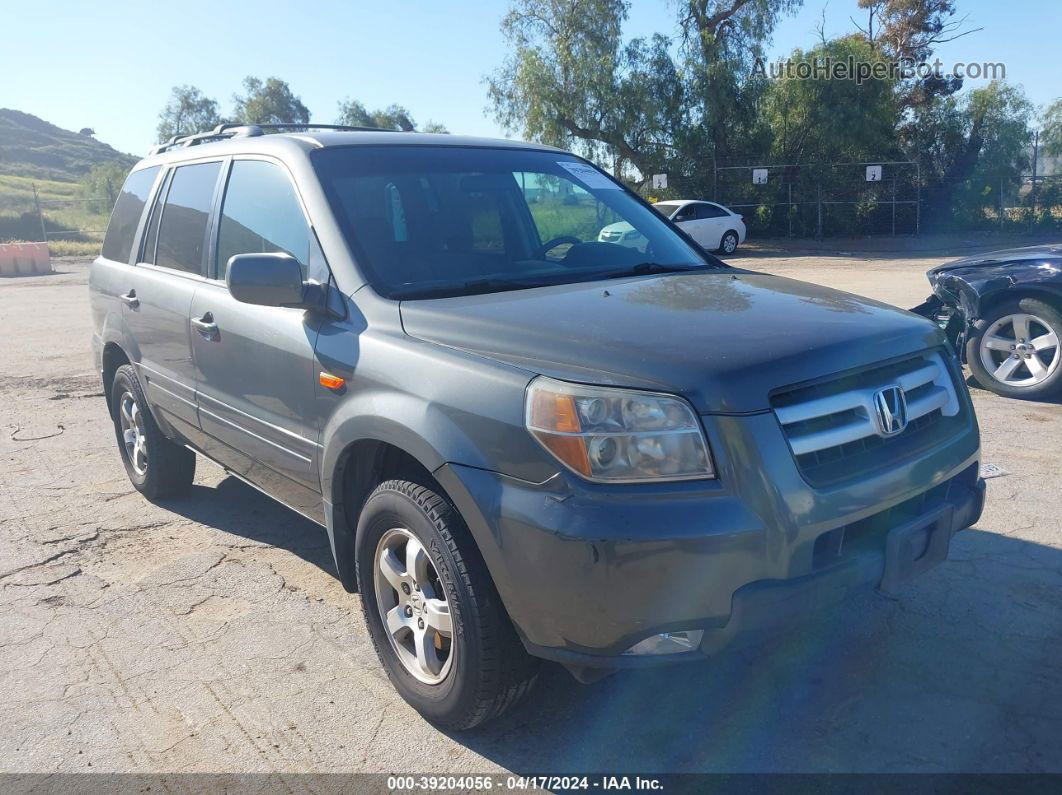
(588, 175)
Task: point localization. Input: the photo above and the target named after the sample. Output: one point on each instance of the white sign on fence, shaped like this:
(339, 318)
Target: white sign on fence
(759, 176)
(659, 180)
(873, 173)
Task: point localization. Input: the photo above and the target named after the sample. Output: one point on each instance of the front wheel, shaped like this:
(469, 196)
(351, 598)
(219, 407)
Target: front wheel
(435, 618)
(729, 243)
(1014, 350)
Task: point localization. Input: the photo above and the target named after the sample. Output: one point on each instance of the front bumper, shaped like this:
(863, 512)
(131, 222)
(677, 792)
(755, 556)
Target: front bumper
(586, 571)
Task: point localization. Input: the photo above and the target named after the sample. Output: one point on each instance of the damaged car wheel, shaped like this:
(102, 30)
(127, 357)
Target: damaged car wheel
(1014, 350)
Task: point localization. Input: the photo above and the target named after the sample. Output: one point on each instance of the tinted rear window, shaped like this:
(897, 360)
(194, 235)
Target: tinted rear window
(182, 232)
(118, 243)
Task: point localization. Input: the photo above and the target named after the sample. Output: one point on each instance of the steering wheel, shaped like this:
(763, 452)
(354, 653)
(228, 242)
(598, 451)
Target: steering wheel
(549, 245)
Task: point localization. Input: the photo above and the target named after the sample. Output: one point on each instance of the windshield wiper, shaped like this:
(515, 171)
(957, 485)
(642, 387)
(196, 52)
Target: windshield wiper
(644, 268)
(478, 286)
(472, 287)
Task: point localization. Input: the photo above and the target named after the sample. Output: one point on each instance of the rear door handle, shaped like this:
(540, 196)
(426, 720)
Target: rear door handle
(205, 325)
(130, 299)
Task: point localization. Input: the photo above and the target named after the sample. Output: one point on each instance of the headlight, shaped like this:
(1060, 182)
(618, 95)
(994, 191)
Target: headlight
(617, 435)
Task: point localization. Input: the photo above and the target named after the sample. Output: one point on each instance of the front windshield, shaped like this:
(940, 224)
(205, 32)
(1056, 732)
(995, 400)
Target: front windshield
(433, 221)
(666, 209)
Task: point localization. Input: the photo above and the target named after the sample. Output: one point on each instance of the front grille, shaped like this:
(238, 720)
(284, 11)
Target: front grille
(832, 428)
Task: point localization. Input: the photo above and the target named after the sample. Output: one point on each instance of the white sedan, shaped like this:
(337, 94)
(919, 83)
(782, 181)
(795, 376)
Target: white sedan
(712, 225)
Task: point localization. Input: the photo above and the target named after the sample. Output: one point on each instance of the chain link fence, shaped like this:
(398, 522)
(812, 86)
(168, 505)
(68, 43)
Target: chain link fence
(882, 198)
(823, 199)
(86, 215)
(63, 216)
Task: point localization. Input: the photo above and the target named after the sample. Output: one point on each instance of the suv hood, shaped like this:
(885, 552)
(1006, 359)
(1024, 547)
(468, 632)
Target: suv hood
(721, 339)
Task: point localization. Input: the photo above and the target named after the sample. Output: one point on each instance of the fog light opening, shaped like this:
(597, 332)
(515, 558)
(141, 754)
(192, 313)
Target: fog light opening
(668, 643)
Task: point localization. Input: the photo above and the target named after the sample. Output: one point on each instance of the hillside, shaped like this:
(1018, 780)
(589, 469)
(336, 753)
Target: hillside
(31, 147)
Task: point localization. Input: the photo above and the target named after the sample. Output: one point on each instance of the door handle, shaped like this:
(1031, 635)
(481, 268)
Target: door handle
(205, 325)
(130, 299)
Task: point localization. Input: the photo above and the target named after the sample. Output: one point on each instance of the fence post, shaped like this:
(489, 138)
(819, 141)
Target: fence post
(894, 206)
(40, 215)
(818, 203)
(789, 209)
(1001, 204)
(918, 198)
(1035, 157)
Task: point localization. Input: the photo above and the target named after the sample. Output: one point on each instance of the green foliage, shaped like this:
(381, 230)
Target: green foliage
(656, 103)
(1051, 135)
(187, 111)
(686, 103)
(101, 187)
(971, 149)
(393, 117)
(269, 102)
(832, 120)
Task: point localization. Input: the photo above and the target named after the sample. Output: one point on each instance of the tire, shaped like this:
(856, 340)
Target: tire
(166, 469)
(728, 243)
(1028, 373)
(482, 669)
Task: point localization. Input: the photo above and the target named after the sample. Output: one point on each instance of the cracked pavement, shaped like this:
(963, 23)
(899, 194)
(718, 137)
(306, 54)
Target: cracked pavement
(209, 633)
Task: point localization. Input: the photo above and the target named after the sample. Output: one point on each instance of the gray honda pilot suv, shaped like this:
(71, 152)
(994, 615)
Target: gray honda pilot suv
(524, 443)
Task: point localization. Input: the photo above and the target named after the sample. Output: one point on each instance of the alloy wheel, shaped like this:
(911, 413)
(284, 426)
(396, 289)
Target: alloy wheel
(1020, 350)
(413, 606)
(133, 436)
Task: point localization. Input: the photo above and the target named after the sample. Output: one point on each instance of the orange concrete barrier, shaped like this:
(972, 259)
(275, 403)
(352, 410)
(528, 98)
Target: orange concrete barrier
(24, 259)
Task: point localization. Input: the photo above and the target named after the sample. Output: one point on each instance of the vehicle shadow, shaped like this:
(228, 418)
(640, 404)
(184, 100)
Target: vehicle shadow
(959, 674)
(240, 510)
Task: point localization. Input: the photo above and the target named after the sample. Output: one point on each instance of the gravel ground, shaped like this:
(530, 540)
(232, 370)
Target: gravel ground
(210, 634)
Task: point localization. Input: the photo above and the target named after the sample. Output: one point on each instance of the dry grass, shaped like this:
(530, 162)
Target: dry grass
(74, 248)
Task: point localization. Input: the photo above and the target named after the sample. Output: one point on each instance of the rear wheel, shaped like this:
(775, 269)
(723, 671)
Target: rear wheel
(435, 618)
(157, 467)
(729, 243)
(1015, 352)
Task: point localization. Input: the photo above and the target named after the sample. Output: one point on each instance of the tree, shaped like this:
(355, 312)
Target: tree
(269, 102)
(658, 104)
(968, 146)
(86, 131)
(393, 117)
(906, 32)
(832, 120)
(101, 185)
(188, 111)
(1051, 134)
(723, 41)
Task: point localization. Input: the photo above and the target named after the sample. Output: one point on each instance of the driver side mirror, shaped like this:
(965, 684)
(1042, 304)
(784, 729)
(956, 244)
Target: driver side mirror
(266, 280)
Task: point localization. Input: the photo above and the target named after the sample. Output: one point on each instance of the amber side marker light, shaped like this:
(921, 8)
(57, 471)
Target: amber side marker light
(332, 381)
(558, 413)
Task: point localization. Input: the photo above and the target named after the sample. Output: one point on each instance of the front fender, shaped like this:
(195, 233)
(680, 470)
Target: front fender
(437, 404)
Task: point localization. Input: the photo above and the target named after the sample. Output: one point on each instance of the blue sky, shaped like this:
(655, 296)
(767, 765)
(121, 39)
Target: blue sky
(111, 64)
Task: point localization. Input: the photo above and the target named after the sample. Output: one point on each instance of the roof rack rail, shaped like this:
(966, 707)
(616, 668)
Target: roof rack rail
(241, 129)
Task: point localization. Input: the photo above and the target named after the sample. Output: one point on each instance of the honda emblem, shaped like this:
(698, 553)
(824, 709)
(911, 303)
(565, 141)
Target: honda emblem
(890, 404)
